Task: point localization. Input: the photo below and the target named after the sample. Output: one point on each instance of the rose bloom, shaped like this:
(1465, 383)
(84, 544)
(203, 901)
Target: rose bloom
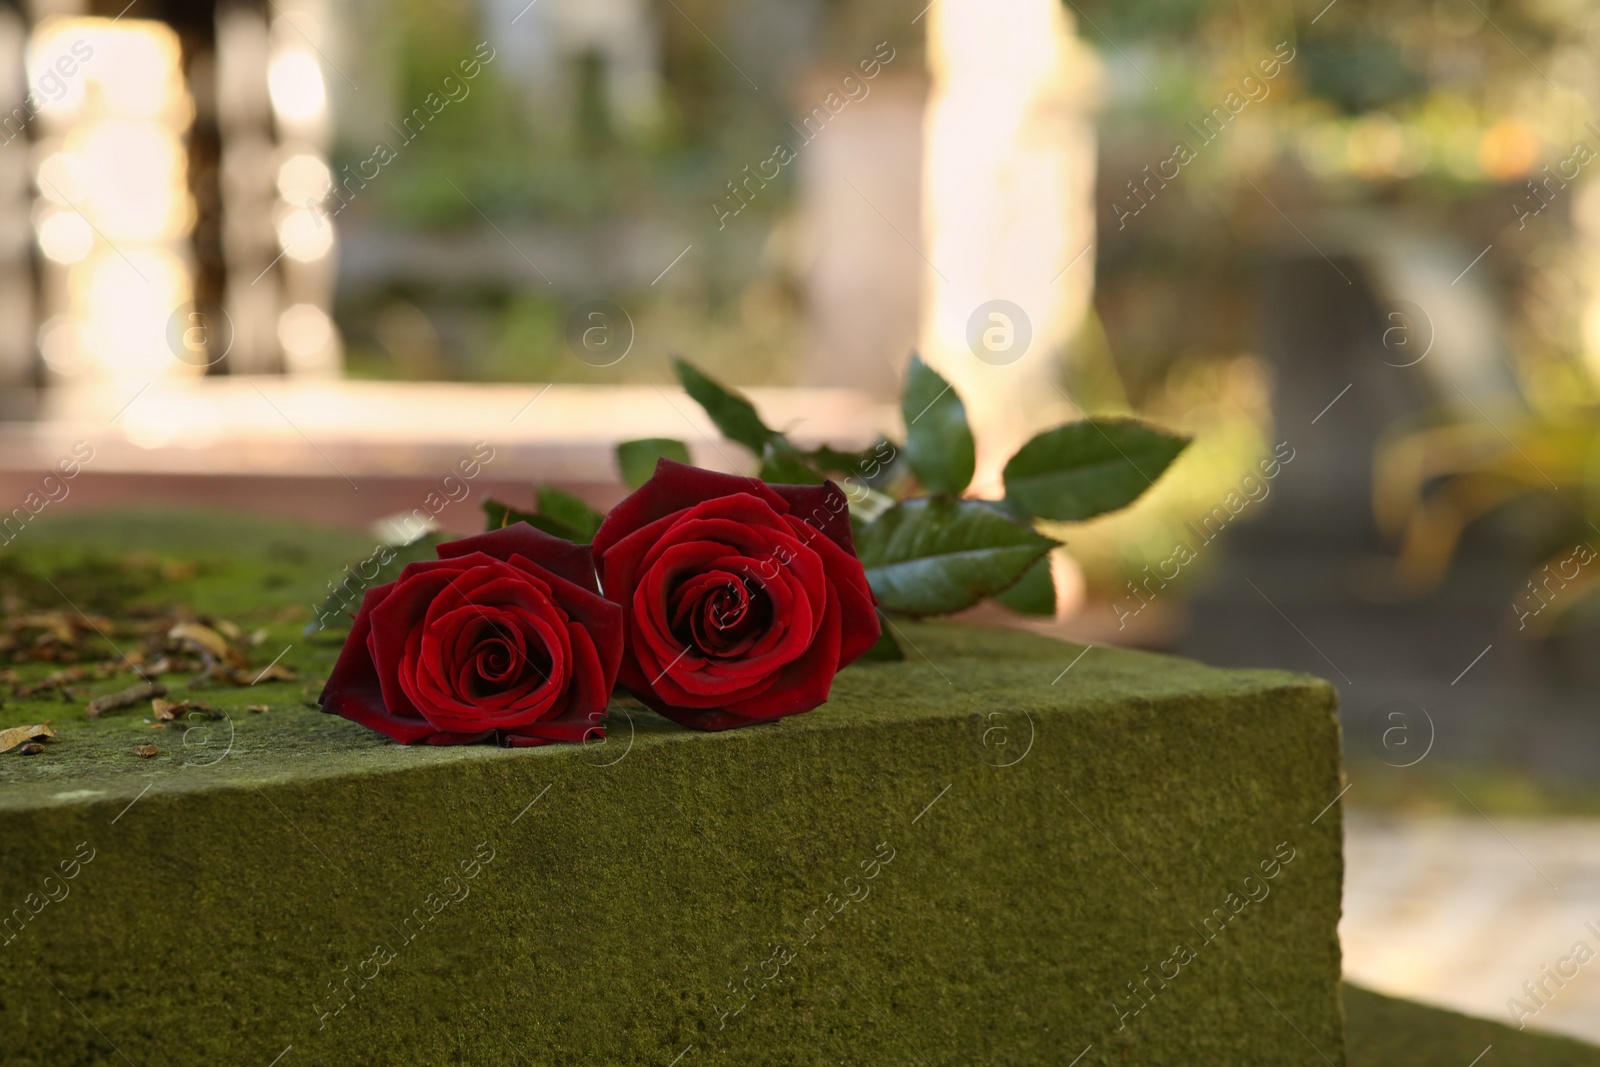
(504, 635)
(742, 599)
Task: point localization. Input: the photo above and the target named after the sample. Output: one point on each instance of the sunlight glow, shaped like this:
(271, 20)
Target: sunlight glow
(114, 211)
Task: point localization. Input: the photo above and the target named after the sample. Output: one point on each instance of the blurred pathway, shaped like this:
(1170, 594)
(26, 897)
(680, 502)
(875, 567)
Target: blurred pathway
(1460, 913)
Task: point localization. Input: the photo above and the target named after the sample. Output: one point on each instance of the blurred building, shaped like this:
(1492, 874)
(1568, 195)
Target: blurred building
(166, 172)
(606, 54)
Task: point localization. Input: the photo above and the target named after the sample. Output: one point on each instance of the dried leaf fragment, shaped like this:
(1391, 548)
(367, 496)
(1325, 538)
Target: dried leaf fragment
(169, 710)
(208, 642)
(126, 698)
(18, 735)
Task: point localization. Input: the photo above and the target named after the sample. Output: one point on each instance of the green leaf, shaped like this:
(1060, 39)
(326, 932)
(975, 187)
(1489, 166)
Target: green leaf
(834, 461)
(876, 467)
(867, 504)
(734, 415)
(865, 464)
(935, 555)
(637, 459)
(497, 514)
(1034, 593)
(571, 512)
(939, 442)
(560, 515)
(783, 465)
(887, 650)
(1084, 469)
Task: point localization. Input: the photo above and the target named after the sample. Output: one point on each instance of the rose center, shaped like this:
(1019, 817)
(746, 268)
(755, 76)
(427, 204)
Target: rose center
(721, 614)
(499, 659)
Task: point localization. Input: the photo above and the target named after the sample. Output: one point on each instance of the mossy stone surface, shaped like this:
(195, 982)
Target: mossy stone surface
(1048, 837)
(1386, 1032)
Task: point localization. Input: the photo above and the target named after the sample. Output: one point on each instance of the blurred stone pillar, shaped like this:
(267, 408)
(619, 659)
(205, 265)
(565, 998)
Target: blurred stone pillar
(1007, 213)
(249, 188)
(18, 355)
(860, 198)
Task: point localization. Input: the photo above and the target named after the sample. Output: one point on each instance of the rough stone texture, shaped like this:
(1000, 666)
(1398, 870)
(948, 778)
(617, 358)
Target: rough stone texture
(1052, 835)
(1386, 1032)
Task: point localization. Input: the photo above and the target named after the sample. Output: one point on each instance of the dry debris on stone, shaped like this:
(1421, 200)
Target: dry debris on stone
(23, 735)
(116, 633)
(124, 698)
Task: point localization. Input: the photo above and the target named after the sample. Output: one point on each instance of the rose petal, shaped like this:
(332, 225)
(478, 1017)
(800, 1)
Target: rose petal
(737, 610)
(670, 488)
(353, 690)
(859, 626)
(431, 692)
(821, 507)
(800, 687)
(557, 555)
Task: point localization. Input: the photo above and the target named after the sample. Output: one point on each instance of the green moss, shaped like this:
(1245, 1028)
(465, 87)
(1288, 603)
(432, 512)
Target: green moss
(256, 573)
(1433, 788)
(1384, 1032)
(1053, 834)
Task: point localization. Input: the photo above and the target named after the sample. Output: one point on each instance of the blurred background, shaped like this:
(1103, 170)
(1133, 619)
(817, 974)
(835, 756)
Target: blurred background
(301, 257)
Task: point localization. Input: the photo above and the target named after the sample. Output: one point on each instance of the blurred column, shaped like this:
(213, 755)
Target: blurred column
(860, 201)
(279, 193)
(1007, 212)
(250, 245)
(542, 43)
(296, 84)
(18, 360)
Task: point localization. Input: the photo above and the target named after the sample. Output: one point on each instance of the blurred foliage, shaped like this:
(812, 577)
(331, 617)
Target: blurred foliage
(1469, 790)
(1225, 405)
(1438, 114)
(521, 158)
(1439, 117)
(1359, 73)
(507, 335)
(560, 164)
(1540, 469)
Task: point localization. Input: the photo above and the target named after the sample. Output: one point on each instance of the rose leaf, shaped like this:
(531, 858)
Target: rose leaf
(936, 555)
(500, 515)
(1083, 469)
(497, 514)
(735, 416)
(569, 511)
(782, 465)
(939, 442)
(1034, 593)
(887, 650)
(637, 459)
(872, 465)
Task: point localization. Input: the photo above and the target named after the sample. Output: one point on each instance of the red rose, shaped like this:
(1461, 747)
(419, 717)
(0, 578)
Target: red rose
(504, 634)
(742, 599)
